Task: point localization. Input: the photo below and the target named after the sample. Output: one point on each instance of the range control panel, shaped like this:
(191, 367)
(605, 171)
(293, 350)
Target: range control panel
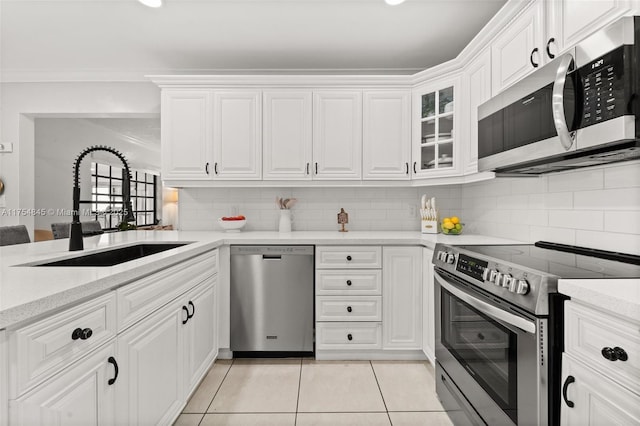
(604, 82)
(473, 267)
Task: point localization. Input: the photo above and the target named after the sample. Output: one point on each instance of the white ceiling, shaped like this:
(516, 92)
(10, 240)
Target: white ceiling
(122, 37)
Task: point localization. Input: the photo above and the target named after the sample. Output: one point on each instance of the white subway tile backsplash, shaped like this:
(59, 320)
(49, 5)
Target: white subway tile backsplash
(597, 207)
(620, 242)
(576, 180)
(622, 175)
(625, 222)
(577, 219)
(608, 199)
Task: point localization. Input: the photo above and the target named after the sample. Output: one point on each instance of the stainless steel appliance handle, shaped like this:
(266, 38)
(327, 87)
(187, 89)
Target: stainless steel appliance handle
(486, 308)
(557, 102)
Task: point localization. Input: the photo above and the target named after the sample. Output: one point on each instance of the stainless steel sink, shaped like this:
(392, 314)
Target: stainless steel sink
(115, 256)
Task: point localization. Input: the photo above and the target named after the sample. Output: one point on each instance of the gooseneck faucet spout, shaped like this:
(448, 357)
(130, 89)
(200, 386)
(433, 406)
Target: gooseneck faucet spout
(75, 234)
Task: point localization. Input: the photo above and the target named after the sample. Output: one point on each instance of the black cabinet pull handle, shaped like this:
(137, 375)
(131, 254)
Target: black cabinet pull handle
(349, 258)
(316, 168)
(407, 164)
(193, 310)
(349, 309)
(348, 282)
(206, 168)
(215, 168)
(551, 55)
(415, 163)
(567, 382)
(82, 334)
(349, 336)
(535, 65)
(113, 361)
(307, 168)
(184, 308)
(615, 354)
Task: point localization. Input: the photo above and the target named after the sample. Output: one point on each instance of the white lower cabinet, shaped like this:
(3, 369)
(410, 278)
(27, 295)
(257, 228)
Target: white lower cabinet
(600, 367)
(596, 400)
(82, 395)
(402, 298)
(150, 355)
(73, 369)
(428, 306)
(372, 307)
(201, 340)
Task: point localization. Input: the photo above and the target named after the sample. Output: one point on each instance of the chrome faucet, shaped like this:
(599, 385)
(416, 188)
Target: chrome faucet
(75, 234)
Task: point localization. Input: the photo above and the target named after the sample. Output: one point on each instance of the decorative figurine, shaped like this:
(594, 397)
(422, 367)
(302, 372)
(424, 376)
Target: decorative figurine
(343, 217)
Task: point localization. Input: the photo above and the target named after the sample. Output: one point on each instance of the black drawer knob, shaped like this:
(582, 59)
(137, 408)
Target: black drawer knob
(349, 258)
(348, 282)
(349, 336)
(615, 354)
(349, 309)
(82, 334)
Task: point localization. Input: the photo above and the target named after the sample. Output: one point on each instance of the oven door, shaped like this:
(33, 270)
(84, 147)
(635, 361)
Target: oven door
(494, 354)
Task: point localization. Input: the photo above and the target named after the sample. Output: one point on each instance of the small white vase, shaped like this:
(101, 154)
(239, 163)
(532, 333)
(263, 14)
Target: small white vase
(285, 221)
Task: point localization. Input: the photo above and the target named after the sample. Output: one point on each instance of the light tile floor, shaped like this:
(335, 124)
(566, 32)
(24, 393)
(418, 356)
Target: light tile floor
(305, 392)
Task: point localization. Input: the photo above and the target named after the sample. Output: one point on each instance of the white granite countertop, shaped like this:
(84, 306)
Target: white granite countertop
(620, 295)
(28, 292)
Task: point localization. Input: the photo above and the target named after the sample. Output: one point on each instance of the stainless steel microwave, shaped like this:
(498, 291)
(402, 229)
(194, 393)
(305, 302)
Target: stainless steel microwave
(581, 109)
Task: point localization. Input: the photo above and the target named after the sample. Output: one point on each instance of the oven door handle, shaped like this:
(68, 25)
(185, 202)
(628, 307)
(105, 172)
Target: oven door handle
(496, 313)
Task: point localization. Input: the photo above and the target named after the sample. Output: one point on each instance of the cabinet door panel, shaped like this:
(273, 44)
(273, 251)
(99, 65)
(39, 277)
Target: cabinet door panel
(511, 51)
(79, 395)
(287, 135)
(150, 355)
(237, 135)
(428, 306)
(402, 297)
(576, 19)
(477, 77)
(201, 331)
(387, 135)
(597, 400)
(186, 134)
(337, 135)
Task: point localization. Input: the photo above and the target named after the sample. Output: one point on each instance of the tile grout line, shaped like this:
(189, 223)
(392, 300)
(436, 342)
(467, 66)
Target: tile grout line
(295, 421)
(217, 390)
(381, 394)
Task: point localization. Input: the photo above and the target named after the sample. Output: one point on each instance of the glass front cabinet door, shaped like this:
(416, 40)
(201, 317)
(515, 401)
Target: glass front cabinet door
(435, 129)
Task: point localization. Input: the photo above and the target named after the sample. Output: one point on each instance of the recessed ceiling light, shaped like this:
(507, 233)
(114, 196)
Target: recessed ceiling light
(393, 2)
(155, 3)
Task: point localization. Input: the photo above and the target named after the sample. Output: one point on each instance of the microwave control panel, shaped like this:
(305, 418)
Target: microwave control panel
(605, 86)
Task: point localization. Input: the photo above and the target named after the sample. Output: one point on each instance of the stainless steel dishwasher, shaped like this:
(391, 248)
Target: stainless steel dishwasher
(272, 300)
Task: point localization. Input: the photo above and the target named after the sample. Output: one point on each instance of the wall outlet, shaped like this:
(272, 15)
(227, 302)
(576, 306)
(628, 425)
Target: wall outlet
(413, 210)
(6, 148)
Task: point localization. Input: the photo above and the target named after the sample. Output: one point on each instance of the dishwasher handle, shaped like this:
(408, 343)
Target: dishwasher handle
(271, 257)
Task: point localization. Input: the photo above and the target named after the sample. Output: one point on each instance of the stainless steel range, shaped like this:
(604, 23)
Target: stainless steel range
(499, 328)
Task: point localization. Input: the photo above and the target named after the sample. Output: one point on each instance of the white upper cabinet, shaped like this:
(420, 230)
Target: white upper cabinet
(517, 51)
(569, 21)
(476, 90)
(186, 134)
(237, 135)
(337, 135)
(437, 112)
(287, 135)
(387, 135)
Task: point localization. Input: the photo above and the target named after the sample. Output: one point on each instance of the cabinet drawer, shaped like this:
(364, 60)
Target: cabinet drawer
(354, 308)
(348, 257)
(588, 331)
(348, 335)
(351, 282)
(44, 348)
(140, 298)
